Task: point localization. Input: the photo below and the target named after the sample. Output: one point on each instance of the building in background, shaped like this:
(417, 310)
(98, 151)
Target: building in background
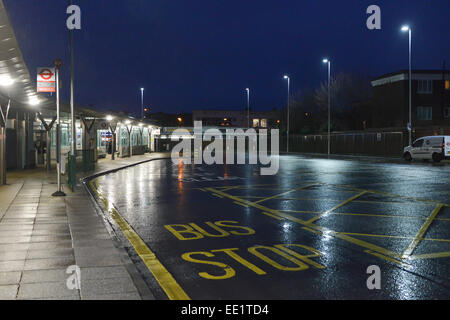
(430, 99)
(238, 119)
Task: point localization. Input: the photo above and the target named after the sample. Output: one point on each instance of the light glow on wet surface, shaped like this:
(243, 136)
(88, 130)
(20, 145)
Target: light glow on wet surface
(399, 200)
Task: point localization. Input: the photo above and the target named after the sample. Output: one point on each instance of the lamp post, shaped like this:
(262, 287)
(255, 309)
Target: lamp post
(113, 136)
(288, 93)
(142, 103)
(73, 147)
(404, 29)
(248, 107)
(327, 61)
(4, 81)
(129, 127)
(59, 192)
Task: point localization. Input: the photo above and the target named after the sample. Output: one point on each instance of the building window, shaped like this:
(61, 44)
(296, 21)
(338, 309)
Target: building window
(447, 112)
(255, 123)
(425, 86)
(425, 113)
(264, 123)
(447, 84)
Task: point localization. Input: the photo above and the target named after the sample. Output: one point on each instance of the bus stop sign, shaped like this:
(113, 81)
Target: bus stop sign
(46, 81)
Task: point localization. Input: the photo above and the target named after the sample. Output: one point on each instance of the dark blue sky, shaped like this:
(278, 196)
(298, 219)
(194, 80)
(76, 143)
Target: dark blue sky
(203, 54)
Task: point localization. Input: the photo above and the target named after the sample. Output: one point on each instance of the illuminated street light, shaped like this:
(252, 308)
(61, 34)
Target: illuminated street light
(288, 93)
(33, 101)
(142, 103)
(404, 29)
(109, 118)
(327, 61)
(6, 80)
(248, 107)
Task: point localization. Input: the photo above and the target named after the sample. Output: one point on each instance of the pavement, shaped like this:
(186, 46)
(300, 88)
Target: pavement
(315, 230)
(42, 236)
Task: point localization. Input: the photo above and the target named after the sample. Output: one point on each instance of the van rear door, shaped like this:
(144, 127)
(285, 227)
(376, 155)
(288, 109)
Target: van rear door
(447, 146)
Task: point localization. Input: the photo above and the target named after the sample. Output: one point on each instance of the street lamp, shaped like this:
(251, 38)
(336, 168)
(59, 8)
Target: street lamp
(33, 101)
(142, 103)
(404, 29)
(109, 118)
(288, 93)
(248, 107)
(327, 61)
(5, 81)
(58, 193)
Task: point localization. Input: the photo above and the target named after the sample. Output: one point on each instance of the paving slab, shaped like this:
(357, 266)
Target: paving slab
(41, 236)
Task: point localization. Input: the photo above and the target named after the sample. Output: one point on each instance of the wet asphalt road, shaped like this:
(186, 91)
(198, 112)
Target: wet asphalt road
(309, 232)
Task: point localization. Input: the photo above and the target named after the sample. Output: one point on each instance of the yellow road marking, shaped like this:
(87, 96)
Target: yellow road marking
(379, 255)
(271, 215)
(336, 207)
(321, 199)
(312, 230)
(419, 236)
(311, 226)
(395, 195)
(217, 195)
(368, 215)
(391, 236)
(281, 194)
(240, 203)
(430, 255)
(229, 188)
(164, 278)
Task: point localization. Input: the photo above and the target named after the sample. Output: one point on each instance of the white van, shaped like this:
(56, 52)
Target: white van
(434, 148)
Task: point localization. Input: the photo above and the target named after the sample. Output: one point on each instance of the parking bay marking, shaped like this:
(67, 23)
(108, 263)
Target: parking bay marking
(368, 215)
(321, 229)
(372, 249)
(419, 236)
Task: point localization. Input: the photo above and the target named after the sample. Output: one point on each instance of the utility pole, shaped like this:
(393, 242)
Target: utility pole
(73, 148)
(59, 192)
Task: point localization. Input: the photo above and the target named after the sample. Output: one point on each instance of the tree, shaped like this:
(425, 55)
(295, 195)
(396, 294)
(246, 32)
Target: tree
(351, 102)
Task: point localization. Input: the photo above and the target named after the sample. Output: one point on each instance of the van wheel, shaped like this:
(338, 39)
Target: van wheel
(437, 157)
(407, 156)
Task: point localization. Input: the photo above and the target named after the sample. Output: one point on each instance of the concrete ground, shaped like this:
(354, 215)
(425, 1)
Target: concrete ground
(311, 231)
(41, 236)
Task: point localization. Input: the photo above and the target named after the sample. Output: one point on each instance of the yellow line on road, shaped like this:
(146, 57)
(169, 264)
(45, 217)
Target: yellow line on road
(164, 278)
(419, 236)
(391, 236)
(430, 255)
(217, 195)
(373, 215)
(311, 226)
(336, 207)
(379, 255)
(395, 195)
(240, 203)
(281, 194)
(272, 215)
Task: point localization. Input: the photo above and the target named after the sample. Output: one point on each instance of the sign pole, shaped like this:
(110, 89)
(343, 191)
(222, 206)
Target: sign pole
(72, 111)
(59, 192)
(3, 143)
(73, 149)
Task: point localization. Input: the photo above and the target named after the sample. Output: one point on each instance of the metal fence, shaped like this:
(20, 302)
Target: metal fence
(388, 144)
